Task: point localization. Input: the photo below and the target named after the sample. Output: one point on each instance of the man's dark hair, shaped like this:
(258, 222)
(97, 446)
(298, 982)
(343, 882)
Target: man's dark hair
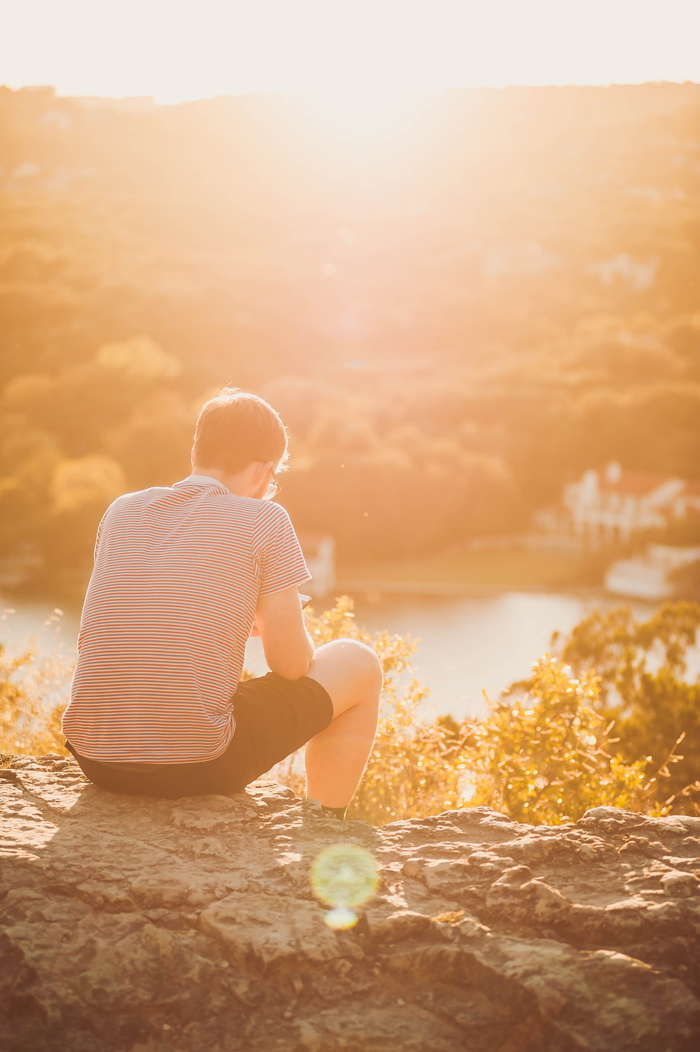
(234, 428)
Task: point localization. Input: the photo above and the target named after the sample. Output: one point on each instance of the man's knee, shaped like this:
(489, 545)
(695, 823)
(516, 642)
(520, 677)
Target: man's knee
(369, 666)
(358, 659)
(350, 662)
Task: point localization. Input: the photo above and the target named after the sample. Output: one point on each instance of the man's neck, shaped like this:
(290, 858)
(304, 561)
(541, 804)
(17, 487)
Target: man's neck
(216, 476)
(241, 485)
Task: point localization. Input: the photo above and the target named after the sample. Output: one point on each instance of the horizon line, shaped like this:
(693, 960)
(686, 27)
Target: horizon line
(295, 92)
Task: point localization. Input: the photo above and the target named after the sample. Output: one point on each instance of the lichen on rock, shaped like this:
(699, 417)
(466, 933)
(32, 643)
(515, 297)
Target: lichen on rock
(146, 925)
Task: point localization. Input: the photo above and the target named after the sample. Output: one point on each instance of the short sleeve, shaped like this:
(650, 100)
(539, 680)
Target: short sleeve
(277, 551)
(98, 538)
(103, 524)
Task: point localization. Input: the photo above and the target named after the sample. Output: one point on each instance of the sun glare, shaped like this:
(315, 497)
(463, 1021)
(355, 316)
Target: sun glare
(360, 115)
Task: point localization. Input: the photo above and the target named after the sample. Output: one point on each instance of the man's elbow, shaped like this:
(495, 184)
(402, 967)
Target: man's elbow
(288, 657)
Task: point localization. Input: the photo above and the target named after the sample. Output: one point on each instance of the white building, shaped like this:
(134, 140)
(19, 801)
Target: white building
(649, 577)
(610, 506)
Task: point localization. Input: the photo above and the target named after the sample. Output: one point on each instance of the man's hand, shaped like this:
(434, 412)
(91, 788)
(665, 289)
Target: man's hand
(280, 623)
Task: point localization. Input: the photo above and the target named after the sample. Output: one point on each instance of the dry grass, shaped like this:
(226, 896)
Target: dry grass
(33, 694)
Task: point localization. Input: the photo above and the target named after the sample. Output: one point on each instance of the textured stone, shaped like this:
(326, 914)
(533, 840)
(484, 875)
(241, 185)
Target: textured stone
(130, 924)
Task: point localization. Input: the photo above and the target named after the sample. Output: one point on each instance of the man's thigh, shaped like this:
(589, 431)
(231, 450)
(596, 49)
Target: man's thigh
(274, 717)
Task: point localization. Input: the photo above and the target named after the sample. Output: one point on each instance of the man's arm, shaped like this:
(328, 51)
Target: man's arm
(288, 647)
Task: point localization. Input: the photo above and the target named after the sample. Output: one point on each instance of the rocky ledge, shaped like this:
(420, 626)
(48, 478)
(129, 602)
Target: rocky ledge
(192, 925)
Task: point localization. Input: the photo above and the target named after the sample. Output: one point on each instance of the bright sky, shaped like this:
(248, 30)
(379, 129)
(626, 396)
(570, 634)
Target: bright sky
(185, 49)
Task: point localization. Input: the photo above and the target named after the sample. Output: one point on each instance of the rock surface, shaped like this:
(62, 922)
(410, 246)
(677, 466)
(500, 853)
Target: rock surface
(143, 925)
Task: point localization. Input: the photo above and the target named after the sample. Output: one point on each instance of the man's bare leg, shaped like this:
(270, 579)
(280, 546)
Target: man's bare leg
(336, 758)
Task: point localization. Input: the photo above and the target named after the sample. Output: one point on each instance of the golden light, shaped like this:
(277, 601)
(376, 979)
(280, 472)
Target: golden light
(362, 115)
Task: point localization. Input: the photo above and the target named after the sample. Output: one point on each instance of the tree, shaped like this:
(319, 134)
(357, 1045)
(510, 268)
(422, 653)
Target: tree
(641, 666)
(81, 489)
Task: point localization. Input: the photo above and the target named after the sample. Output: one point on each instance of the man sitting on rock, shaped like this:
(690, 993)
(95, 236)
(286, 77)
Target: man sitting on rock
(183, 575)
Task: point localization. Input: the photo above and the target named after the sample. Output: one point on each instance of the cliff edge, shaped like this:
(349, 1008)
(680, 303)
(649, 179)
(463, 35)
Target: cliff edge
(192, 925)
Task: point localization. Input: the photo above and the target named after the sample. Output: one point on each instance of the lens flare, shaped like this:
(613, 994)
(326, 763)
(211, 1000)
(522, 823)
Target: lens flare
(344, 876)
(341, 919)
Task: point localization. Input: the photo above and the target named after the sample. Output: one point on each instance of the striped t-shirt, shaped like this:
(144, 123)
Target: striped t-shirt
(168, 610)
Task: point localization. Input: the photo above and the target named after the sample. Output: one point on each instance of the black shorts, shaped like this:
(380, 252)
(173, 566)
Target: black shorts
(274, 717)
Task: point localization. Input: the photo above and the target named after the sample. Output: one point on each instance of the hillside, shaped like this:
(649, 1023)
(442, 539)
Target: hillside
(453, 322)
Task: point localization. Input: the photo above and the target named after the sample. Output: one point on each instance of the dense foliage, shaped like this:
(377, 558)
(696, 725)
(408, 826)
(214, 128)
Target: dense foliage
(452, 324)
(642, 670)
(550, 755)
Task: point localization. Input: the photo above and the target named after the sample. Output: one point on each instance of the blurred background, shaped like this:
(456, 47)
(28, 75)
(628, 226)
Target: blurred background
(456, 245)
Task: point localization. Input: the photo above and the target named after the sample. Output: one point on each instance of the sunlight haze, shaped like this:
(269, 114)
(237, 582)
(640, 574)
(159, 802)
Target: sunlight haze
(181, 51)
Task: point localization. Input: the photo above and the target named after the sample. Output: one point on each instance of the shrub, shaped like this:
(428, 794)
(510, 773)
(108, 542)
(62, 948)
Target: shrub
(546, 756)
(642, 667)
(32, 700)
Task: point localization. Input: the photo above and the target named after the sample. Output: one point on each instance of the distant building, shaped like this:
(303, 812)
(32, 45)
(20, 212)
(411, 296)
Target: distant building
(319, 552)
(649, 576)
(611, 506)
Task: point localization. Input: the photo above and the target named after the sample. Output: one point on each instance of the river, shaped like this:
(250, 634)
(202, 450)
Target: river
(467, 645)
(471, 645)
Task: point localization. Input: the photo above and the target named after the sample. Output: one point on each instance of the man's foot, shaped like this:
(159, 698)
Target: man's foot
(334, 812)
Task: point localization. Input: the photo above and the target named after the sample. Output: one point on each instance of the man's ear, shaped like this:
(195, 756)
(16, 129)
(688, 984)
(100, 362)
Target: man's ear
(259, 470)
